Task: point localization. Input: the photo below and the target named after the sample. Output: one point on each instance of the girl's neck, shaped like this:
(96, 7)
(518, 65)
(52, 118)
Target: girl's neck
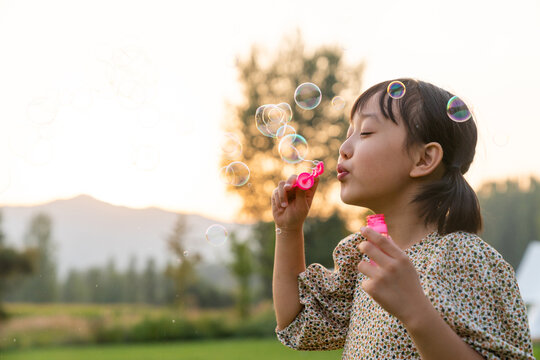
(404, 224)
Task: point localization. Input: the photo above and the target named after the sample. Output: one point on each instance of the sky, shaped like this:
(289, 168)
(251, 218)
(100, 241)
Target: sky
(126, 100)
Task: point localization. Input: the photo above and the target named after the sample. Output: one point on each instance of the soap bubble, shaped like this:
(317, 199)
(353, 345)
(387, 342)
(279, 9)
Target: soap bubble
(288, 111)
(269, 118)
(293, 148)
(236, 173)
(338, 103)
(457, 110)
(42, 110)
(216, 234)
(230, 145)
(307, 96)
(285, 130)
(186, 253)
(396, 89)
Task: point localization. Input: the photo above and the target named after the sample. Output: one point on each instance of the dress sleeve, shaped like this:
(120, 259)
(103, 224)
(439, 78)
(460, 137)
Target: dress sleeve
(327, 297)
(477, 294)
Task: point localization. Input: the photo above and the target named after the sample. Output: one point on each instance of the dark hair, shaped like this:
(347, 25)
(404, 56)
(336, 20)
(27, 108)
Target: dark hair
(449, 201)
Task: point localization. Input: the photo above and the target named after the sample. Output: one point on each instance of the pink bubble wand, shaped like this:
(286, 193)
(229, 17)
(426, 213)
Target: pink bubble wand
(306, 180)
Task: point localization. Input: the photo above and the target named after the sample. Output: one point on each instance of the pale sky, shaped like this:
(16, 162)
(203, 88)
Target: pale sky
(125, 100)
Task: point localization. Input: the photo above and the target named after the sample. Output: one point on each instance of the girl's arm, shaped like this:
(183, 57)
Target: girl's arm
(289, 261)
(435, 339)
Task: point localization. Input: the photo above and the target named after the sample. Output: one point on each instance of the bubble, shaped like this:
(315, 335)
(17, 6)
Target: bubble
(269, 118)
(173, 321)
(293, 148)
(338, 103)
(216, 234)
(186, 253)
(307, 96)
(278, 231)
(457, 110)
(396, 89)
(236, 173)
(230, 145)
(288, 111)
(285, 130)
(42, 110)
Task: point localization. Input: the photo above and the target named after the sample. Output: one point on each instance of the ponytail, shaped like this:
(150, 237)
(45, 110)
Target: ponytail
(451, 203)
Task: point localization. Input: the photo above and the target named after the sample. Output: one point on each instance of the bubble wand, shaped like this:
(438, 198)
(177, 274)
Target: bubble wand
(306, 180)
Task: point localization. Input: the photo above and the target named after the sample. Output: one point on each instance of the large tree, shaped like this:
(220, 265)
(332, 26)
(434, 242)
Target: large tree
(271, 77)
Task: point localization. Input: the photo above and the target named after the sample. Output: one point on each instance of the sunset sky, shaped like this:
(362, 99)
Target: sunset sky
(125, 100)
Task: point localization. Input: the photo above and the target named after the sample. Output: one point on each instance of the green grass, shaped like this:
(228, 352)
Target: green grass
(203, 350)
(536, 349)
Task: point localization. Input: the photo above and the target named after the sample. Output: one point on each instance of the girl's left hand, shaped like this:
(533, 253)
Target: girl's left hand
(392, 281)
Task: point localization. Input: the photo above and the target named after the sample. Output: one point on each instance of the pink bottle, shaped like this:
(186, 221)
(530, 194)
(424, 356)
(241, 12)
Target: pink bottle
(376, 222)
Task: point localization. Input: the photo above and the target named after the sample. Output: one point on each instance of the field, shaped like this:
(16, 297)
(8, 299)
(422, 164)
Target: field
(260, 349)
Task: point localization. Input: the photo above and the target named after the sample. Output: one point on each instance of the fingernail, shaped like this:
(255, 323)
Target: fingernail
(283, 204)
(287, 186)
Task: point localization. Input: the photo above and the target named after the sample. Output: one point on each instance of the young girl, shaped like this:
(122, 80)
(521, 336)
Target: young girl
(432, 289)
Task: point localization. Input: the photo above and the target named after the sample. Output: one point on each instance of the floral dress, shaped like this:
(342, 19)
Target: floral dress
(469, 283)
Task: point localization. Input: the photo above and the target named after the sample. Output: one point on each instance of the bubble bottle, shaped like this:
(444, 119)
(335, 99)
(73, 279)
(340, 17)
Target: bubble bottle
(306, 180)
(376, 222)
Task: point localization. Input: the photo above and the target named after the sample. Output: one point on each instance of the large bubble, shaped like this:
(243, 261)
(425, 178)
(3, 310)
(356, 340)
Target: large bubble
(269, 118)
(293, 148)
(457, 110)
(307, 96)
(216, 234)
(236, 173)
(285, 130)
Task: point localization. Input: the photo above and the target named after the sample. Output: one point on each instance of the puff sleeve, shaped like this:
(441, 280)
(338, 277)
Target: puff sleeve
(327, 297)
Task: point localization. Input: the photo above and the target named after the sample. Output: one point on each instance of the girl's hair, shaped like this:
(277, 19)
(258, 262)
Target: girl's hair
(449, 201)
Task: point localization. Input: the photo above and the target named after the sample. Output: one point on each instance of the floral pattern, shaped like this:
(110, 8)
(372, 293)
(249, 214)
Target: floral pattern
(469, 283)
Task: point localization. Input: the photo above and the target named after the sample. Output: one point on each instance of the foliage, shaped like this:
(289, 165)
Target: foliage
(242, 268)
(511, 216)
(273, 78)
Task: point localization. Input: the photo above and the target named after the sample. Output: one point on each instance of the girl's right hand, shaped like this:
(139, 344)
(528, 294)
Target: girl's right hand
(290, 206)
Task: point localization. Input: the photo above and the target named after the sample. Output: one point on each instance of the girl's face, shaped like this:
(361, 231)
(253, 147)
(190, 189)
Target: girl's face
(373, 165)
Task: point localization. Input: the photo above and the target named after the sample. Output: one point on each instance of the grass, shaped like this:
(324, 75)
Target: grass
(223, 349)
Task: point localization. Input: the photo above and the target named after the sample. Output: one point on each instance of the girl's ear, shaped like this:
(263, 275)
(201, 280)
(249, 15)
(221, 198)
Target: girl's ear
(427, 158)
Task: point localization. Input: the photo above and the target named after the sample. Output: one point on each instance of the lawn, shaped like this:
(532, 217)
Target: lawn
(203, 350)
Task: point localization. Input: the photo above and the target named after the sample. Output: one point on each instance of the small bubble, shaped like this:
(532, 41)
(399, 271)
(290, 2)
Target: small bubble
(236, 173)
(216, 234)
(308, 96)
(14, 340)
(97, 285)
(186, 253)
(396, 89)
(174, 321)
(457, 110)
(278, 231)
(338, 103)
(293, 148)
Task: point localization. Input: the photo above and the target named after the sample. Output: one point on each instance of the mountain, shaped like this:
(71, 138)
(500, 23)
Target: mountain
(88, 232)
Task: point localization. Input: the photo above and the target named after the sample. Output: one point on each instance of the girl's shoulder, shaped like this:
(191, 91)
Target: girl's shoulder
(462, 249)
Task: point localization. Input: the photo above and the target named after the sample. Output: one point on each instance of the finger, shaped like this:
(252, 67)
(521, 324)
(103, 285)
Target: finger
(367, 269)
(386, 244)
(282, 196)
(290, 182)
(374, 253)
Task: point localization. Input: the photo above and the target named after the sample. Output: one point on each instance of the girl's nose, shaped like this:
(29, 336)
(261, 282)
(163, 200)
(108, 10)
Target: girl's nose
(345, 151)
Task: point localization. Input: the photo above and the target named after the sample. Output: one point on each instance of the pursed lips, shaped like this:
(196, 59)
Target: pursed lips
(341, 172)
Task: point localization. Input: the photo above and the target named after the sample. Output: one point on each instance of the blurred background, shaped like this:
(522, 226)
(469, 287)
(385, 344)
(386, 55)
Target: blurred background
(119, 237)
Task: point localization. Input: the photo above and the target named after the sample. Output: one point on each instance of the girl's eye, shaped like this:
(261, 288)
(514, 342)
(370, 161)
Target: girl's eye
(365, 133)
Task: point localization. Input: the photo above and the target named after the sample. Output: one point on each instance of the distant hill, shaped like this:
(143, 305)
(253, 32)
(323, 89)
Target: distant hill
(88, 232)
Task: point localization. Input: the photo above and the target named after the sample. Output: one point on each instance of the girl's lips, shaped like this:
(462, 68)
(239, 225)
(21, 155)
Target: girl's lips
(342, 174)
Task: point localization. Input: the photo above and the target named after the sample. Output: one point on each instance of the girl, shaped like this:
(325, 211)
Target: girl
(432, 289)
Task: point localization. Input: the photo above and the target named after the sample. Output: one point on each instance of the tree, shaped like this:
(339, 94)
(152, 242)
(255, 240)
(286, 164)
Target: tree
(75, 289)
(42, 286)
(183, 270)
(242, 269)
(273, 79)
(511, 215)
(132, 291)
(150, 283)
